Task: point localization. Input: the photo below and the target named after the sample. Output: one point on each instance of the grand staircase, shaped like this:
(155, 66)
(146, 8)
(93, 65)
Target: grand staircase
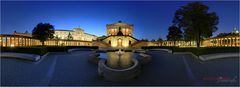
(100, 44)
(139, 44)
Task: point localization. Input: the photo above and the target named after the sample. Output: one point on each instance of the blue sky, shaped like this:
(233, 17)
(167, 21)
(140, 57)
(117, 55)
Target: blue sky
(151, 19)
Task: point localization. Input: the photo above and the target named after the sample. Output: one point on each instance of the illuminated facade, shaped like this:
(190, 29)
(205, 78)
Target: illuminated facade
(22, 34)
(8, 40)
(229, 40)
(120, 35)
(75, 34)
(113, 29)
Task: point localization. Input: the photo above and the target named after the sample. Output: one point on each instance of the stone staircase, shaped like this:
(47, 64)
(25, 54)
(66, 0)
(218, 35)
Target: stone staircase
(139, 44)
(100, 44)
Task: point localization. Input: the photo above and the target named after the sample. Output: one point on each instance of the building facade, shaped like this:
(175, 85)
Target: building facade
(22, 34)
(9, 40)
(120, 35)
(75, 34)
(113, 29)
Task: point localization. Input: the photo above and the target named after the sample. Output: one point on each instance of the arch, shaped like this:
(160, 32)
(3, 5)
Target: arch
(119, 42)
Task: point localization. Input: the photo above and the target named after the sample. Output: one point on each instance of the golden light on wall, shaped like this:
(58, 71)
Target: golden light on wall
(12, 45)
(114, 43)
(125, 43)
(119, 42)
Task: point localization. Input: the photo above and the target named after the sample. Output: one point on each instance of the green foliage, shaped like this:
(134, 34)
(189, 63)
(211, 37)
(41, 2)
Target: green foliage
(65, 48)
(41, 50)
(196, 21)
(159, 39)
(43, 31)
(197, 51)
(174, 33)
(158, 47)
(152, 40)
(69, 37)
(144, 40)
(32, 50)
(207, 50)
(227, 34)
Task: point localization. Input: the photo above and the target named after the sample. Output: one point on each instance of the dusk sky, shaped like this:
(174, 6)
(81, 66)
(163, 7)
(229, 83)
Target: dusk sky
(150, 19)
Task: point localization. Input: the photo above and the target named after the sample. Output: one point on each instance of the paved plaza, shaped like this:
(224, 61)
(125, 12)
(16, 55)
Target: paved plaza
(73, 69)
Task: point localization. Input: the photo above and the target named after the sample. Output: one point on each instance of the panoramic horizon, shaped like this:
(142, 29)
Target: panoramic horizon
(120, 43)
(154, 17)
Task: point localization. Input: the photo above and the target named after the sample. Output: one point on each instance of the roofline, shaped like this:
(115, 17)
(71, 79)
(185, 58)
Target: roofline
(63, 30)
(90, 34)
(123, 35)
(14, 35)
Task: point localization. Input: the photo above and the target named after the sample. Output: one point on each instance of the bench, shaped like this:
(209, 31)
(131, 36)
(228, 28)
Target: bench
(32, 57)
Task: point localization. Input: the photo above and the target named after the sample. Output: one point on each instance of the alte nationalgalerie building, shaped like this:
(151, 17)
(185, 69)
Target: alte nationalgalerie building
(119, 35)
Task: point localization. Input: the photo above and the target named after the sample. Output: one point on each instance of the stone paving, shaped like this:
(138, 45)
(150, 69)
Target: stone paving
(63, 69)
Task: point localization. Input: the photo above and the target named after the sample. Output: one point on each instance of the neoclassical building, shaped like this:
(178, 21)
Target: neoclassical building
(75, 34)
(120, 35)
(22, 34)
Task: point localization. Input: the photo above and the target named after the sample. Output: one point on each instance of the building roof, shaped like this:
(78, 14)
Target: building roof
(120, 23)
(120, 36)
(90, 34)
(64, 30)
(11, 35)
(22, 34)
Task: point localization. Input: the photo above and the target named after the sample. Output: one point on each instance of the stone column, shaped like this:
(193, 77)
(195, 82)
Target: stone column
(1, 41)
(10, 40)
(6, 41)
(235, 41)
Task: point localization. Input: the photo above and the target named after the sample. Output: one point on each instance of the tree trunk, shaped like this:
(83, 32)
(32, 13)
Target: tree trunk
(199, 37)
(198, 43)
(42, 43)
(174, 42)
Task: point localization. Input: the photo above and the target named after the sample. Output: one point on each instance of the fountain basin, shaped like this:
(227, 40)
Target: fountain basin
(118, 74)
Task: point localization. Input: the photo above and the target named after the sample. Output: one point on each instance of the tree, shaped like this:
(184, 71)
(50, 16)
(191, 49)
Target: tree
(144, 39)
(57, 39)
(227, 34)
(159, 39)
(69, 37)
(152, 40)
(101, 37)
(174, 33)
(196, 21)
(43, 31)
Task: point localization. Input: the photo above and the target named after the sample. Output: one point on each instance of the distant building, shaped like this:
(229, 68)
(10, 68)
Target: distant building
(76, 34)
(235, 30)
(120, 35)
(22, 34)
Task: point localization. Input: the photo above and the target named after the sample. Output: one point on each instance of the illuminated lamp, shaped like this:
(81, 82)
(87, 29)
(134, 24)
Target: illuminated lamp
(179, 44)
(12, 45)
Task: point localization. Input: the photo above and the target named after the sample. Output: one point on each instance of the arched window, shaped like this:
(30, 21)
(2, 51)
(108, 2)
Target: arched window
(120, 42)
(130, 42)
(109, 42)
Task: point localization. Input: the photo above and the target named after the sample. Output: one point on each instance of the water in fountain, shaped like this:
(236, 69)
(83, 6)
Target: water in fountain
(119, 59)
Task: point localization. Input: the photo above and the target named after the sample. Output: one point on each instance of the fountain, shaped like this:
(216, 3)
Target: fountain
(118, 66)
